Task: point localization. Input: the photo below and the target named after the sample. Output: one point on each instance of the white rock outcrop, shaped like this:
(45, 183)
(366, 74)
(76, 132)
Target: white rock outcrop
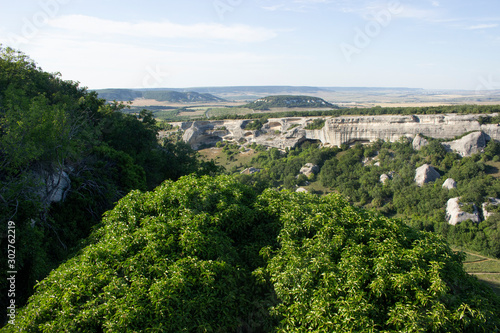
(251, 170)
(449, 184)
(455, 215)
(288, 132)
(491, 201)
(309, 169)
(426, 174)
(419, 142)
(468, 145)
(384, 178)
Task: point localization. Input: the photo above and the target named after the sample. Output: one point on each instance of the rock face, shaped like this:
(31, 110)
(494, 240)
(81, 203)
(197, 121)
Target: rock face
(455, 215)
(419, 142)
(491, 201)
(426, 174)
(384, 178)
(450, 184)
(54, 186)
(309, 169)
(287, 132)
(251, 170)
(468, 145)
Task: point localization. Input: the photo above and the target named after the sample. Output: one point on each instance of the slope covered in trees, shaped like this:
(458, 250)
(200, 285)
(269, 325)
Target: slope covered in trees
(209, 254)
(157, 94)
(288, 101)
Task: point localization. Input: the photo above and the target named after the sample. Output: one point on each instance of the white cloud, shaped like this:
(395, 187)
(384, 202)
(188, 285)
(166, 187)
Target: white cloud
(165, 29)
(483, 26)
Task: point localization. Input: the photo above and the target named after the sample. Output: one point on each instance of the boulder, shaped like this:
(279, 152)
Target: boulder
(455, 215)
(301, 190)
(309, 169)
(384, 178)
(251, 170)
(419, 142)
(449, 184)
(491, 201)
(468, 145)
(426, 174)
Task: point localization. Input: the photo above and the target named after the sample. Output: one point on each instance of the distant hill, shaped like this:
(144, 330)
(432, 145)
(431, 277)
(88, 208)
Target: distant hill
(289, 101)
(181, 97)
(119, 94)
(159, 95)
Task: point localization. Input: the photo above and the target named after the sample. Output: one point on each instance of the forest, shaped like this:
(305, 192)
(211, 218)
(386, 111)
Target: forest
(118, 231)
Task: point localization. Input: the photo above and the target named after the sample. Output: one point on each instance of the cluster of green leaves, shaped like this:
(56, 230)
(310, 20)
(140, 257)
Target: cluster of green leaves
(177, 259)
(209, 254)
(489, 120)
(255, 125)
(316, 124)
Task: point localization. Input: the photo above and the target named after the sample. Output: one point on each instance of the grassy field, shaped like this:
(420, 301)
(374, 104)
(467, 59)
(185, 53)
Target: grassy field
(493, 168)
(218, 112)
(484, 268)
(238, 163)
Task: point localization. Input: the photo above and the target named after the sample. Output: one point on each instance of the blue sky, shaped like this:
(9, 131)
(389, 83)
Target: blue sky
(431, 44)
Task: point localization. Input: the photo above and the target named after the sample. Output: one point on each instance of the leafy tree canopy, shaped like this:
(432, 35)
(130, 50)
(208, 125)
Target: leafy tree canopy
(185, 257)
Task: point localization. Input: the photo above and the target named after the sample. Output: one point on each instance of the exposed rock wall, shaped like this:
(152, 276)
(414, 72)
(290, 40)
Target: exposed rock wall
(288, 132)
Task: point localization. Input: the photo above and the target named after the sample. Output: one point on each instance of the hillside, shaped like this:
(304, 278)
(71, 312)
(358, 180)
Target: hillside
(289, 101)
(159, 95)
(181, 97)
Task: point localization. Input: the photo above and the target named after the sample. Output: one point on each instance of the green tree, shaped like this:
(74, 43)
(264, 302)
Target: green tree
(339, 269)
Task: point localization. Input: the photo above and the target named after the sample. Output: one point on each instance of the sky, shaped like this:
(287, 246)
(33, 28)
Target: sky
(430, 44)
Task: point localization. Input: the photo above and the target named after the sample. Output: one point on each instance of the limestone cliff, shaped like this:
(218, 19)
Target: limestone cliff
(288, 132)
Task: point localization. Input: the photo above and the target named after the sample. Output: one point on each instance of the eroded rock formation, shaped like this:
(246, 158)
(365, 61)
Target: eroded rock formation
(455, 214)
(470, 144)
(288, 132)
(426, 174)
(419, 142)
(309, 169)
(491, 202)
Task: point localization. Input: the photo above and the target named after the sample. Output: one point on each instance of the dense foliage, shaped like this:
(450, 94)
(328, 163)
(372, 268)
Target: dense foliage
(185, 257)
(355, 173)
(339, 269)
(54, 132)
